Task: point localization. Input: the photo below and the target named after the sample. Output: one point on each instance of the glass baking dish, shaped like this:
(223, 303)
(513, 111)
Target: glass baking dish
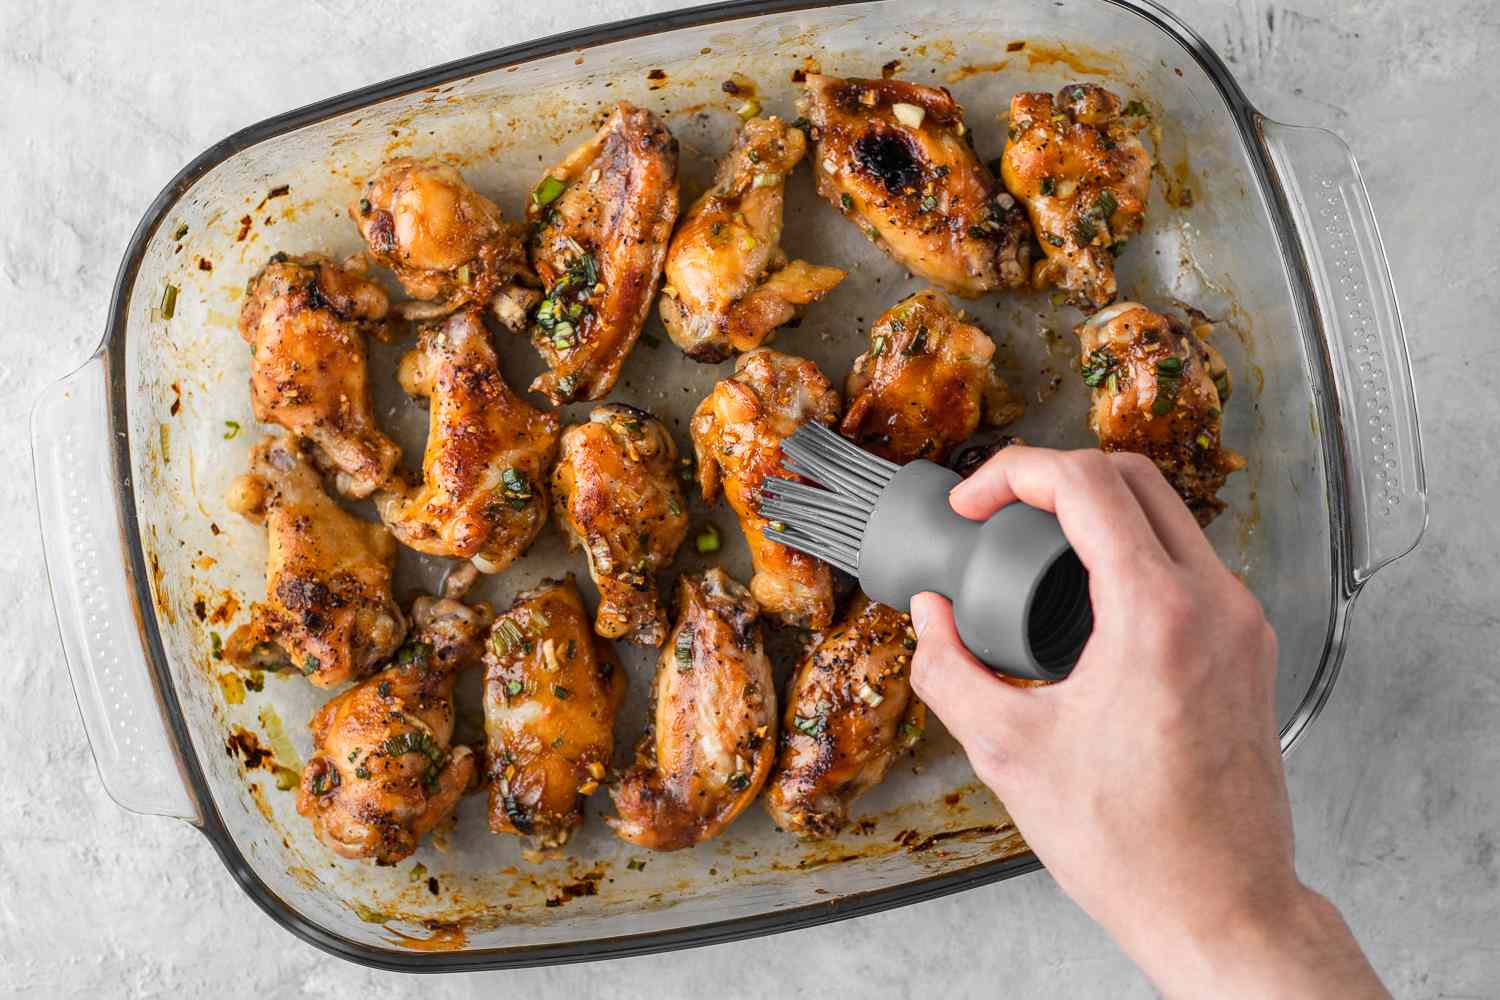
(1264, 226)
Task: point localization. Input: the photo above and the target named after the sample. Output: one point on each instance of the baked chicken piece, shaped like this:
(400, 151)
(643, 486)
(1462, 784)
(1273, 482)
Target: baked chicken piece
(712, 735)
(1159, 389)
(602, 218)
(897, 159)
(737, 433)
(729, 285)
(483, 495)
(617, 494)
(926, 383)
(1084, 176)
(305, 319)
(447, 243)
(551, 690)
(384, 771)
(850, 713)
(328, 610)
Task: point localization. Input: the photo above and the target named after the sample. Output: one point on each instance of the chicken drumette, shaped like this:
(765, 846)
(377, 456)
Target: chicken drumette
(617, 494)
(728, 284)
(551, 690)
(328, 610)
(1084, 176)
(926, 383)
(602, 220)
(712, 736)
(483, 495)
(897, 159)
(737, 433)
(306, 319)
(383, 771)
(1159, 389)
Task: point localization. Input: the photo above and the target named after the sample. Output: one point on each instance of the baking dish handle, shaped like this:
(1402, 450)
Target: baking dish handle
(92, 595)
(1361, 325)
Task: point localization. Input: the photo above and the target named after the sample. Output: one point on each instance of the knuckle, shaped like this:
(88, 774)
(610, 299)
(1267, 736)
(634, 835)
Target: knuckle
(1132, 463)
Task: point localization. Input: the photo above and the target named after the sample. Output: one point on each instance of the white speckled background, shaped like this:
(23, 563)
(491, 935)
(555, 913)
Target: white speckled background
(1396, 790)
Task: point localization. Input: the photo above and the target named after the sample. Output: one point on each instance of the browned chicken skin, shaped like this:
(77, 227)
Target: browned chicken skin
(328, 610)
(306, 319)
(712, 737)
(617, 494)
(551, 690)
(897, 159)
(602, 220)
(383, 771)
(926, 383)
(1084, 176)
(850, 713)
(729, 286)
(1159, 389)
(483, 494)
(737, 433)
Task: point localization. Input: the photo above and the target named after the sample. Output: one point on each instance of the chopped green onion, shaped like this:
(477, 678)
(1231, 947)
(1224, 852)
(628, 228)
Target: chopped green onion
(1097, 367)
(413, 651)
(635, 864)
(548, 191)
(216, 644)
(739, 781)
(182, 230)
(1162, 405)
(364, 206)
(505, 637)
(674, 506)
(918, 343)
(1135, 109)
(847, 202)
(748, 110)
(1105, 207)
(168, 301)
(463, 275)
(513, 688)
(1204, 441)
(765, 180)
(231, 429)
(707, 540)
(312, 665)
(563, 694)
(562, 335)
(1170, 366)
(929, 203)
(877, 346)
(1049, 186)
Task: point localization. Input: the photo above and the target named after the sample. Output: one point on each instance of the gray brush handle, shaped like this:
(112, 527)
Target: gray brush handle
(1020, 595)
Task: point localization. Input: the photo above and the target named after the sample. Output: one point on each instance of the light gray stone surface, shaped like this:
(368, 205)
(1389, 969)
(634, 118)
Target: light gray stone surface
(1396, 791)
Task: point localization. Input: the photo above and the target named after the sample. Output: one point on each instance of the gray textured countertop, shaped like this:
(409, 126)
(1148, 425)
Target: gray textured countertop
(1396, 791)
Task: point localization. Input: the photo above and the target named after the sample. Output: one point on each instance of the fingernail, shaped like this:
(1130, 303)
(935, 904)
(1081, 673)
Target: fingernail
(919, 615)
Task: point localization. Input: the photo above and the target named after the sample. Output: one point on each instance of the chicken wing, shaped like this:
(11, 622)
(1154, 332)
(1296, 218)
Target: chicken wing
(383, 770)
(305, 319)
(729, 285)
(1159, 389)
(483, 495)
(737, 433)
(1084, 176)
(551, 690)
(602, 220)
(926, 383)
(617, 494)
(328, 610)
(712, 737)
(850, 713)
(898, 160)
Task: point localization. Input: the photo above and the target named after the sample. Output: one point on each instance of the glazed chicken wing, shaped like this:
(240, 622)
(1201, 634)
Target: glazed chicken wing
(483, 495)
(551, 690)
(602, 218)
(328, 610)
(617, 494)
(1084, 176)
(926, 383)
(729, 286)
(896, 158)
(712, 737)
(850, 713)
(737, 433)
(305, 319)
(1159, 390)
(383, 771)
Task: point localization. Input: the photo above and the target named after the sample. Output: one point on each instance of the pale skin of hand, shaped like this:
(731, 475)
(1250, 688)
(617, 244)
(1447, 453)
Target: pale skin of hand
(1150, 781)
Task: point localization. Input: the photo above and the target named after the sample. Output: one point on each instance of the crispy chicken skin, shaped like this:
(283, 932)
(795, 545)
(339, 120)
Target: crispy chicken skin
(1159, 390)
(305, 319)
(926, 383)
(896, 158)
(712, 736)
(617, 495)
(850, 713)
(483, 494)
(1084, 176)
(448, 244)
(383, 771)
(551, 690)
(737, 433)
(602, 219)
(328, 610)
(729, 285)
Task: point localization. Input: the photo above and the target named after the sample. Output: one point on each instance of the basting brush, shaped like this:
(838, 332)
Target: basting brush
(1020, 595)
